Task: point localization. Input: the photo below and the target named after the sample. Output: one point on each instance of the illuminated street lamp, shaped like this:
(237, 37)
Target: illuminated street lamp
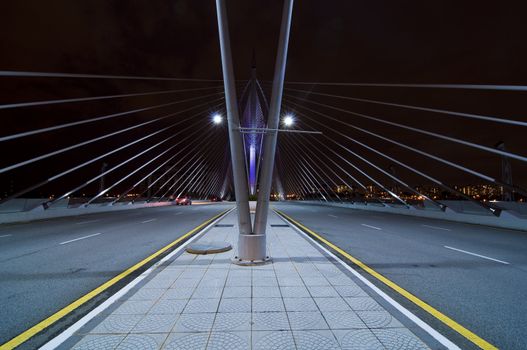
(217, 118)
(288, 120)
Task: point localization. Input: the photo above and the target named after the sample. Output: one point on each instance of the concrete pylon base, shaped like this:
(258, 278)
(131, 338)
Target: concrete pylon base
(252, 250)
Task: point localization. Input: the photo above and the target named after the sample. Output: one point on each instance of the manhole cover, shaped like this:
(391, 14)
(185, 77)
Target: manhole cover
(208, 247)
(279, 225)
(224, 225)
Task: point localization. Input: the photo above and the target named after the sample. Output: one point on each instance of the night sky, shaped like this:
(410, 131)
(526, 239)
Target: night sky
(458, 42)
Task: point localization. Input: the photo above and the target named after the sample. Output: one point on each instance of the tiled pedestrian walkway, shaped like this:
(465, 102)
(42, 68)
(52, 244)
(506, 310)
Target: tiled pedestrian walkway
(300, 301)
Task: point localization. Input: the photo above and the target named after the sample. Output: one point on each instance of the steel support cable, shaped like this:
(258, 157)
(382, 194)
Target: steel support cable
(438, 182)
(291, 176)
(153, 171)
(426, 86)
(208, 185)
(216, 189)
(313, 154)
(195, 156)
(216, 161)
(104, 117)
(79, 166)
(22, 74)
(171, 168)
(364, 174)
(212, 183)
(197, 160)
(291, 182)
(441, 206)
(419, 108)
(420, 131)
(87, 142)
(303, 175)
(319, 167)
(190, 178)
(312, 179)
(365, 188)
(202, 178)
(159, 155)
(428, 155)
(99, 98)
(373, 195)
(49, 203)
(321, 171)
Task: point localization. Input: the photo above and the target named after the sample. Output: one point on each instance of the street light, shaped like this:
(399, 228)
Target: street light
(217, 118)
(289, 120)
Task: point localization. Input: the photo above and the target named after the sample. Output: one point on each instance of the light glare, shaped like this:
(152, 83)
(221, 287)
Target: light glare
(217, 119)
(289, 120)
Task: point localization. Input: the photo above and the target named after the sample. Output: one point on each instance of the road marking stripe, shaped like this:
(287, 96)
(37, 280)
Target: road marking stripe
(78, 239)
(437, 228)
(86, 222)
(179, 213)
(373, 227)
(474, 338)
(333, 216)
(29, 333)
(147, 221)
(478, 255)
(5, 235)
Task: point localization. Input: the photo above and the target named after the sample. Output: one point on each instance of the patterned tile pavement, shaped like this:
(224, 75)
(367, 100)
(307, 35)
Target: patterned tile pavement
(300, 301)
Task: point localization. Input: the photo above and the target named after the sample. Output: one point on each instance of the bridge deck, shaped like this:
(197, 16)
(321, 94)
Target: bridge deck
(303, 300)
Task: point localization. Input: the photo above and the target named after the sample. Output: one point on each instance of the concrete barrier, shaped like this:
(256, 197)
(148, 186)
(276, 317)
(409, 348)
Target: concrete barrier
(513, 215)
(31, 209)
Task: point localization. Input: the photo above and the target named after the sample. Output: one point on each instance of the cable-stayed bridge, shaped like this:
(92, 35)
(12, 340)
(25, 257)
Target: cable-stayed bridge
(337, 198)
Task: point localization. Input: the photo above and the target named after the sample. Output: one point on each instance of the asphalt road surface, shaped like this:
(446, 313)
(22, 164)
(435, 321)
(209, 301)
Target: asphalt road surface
(475, 274)
(45, 265)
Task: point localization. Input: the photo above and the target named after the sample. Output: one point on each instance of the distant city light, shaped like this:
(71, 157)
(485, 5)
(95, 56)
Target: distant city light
(289, 120)
(217, 118)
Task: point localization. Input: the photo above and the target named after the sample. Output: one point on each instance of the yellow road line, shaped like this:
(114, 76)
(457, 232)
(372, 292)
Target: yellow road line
(29, 333)
(474, 338)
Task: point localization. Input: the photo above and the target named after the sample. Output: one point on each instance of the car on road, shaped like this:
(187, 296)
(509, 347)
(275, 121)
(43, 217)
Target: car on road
(215, 199)
(184, 200)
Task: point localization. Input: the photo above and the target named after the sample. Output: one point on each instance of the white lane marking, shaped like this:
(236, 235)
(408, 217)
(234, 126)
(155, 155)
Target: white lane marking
(333, 216)
(61, 338)
(147, 221)
(5, 235)
(78, 239)
(373, 227)
(437, 228)
(179, 213)
(433, 333)
(86, 222)
(478, 255)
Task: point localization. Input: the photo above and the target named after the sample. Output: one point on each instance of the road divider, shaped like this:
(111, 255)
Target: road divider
(87, 222)
(437, 228)
(59, 315)
(78, 239)
(478, 255)
(469, 335)
(373, 227)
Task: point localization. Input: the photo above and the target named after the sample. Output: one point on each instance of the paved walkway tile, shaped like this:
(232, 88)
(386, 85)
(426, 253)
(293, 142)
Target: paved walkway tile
(300, 301)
